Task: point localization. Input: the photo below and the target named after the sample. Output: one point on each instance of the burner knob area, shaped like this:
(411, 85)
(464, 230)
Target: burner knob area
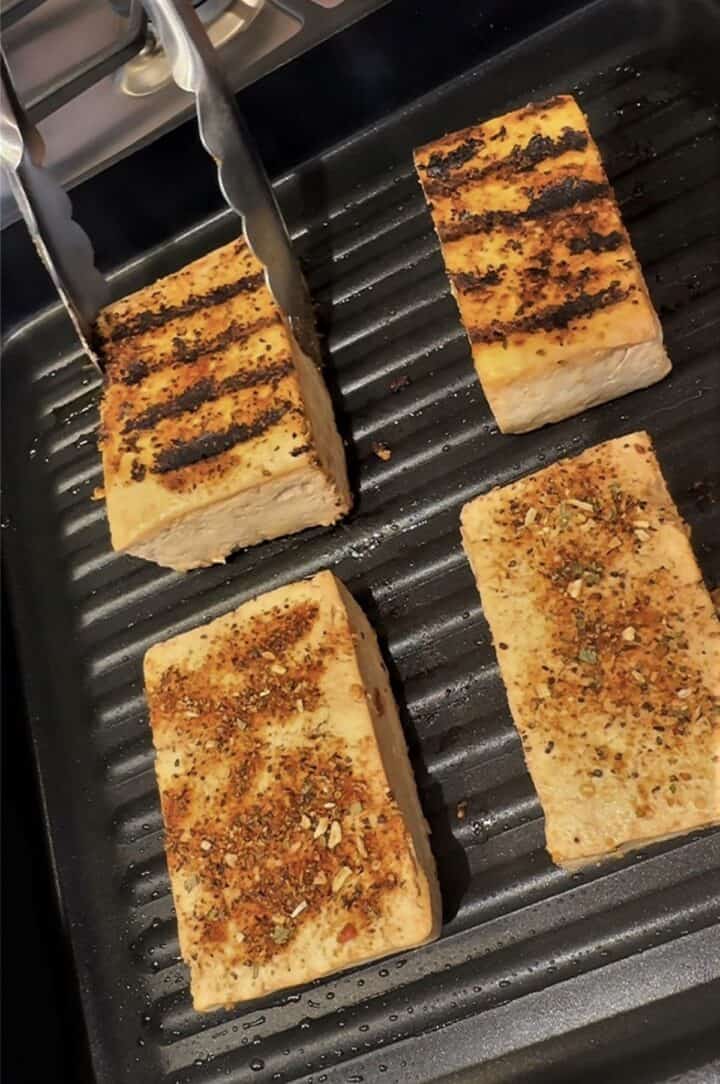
(149, 70)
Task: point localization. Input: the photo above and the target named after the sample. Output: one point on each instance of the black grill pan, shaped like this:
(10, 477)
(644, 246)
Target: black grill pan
(611, 974)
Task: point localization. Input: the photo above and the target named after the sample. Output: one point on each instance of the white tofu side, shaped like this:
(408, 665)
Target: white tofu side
(574, 386)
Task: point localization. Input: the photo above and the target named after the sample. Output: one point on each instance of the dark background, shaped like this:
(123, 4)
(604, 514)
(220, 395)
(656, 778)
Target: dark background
(37, 978)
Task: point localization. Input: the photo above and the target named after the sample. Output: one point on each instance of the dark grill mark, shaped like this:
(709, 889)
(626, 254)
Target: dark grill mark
(137, 470)
(556, 197)
(135, 372)
(468, 224)
(520, 160)
(537, 273)
(188, 352)
(439, 165)
(300, 450)
(596, 242)
(150, 319)
(467, 281)
(540, 148)
(190, 452)
(206, 391)
(553, 318)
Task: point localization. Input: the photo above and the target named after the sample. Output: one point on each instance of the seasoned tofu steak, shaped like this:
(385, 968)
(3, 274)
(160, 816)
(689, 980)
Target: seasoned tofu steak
(295, 839)
(217, 432)
(609, 647)
(550, 292)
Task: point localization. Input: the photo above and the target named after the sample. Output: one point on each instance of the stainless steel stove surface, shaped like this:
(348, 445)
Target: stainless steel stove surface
(97, 85)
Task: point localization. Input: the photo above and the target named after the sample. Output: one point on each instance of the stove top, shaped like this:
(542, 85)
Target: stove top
(97, 85)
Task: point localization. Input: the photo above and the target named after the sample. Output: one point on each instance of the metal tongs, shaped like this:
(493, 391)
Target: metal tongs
(64, 247)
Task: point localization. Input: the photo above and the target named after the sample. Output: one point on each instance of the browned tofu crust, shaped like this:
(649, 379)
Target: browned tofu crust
(217, 432)
(539, 260)
(196, 365)
(289, 854)
(609, 647)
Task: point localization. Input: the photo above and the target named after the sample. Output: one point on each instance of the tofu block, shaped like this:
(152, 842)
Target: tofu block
(217, 431)
(294, 835)
(550, 292)
(609, 647)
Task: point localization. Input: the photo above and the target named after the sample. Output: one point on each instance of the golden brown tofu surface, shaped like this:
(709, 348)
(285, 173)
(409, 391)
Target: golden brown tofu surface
(294, 836)
(608, 645)
(540, 264)
(206, 400)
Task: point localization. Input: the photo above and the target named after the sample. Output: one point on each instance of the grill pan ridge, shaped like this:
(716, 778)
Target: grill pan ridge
(535, 963)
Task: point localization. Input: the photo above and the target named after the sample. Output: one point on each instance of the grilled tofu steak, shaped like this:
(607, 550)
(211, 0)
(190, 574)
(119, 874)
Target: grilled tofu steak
(217, 432)
(295, 839)
(550, 292)
(608, 645)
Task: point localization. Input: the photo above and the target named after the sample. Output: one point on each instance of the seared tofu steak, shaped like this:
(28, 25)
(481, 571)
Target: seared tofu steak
(295, 839)
(609, 647)
(550, 292)
(217, 432)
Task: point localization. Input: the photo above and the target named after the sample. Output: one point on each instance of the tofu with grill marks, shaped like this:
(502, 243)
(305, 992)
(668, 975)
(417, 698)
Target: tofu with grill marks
(295, 839)
(548, 286)
(217, 431)
(609, 647)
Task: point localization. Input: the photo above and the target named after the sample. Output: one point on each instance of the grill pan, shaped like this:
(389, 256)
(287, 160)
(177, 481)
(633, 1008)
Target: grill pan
(612, 973)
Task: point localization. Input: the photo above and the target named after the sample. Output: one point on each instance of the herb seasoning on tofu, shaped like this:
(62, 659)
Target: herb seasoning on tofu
(547, 284)
(608, 645)
(294, 837)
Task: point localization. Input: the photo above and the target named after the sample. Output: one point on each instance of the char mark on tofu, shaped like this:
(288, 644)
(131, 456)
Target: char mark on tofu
(554, 197)
(440, 165)
(467, 224)
(596, 242)
(552, 318)
(187, 352)
(467, 281)
(567, 193)
(521, 159)
(187, 453)
(152, 319)
(208, 390)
